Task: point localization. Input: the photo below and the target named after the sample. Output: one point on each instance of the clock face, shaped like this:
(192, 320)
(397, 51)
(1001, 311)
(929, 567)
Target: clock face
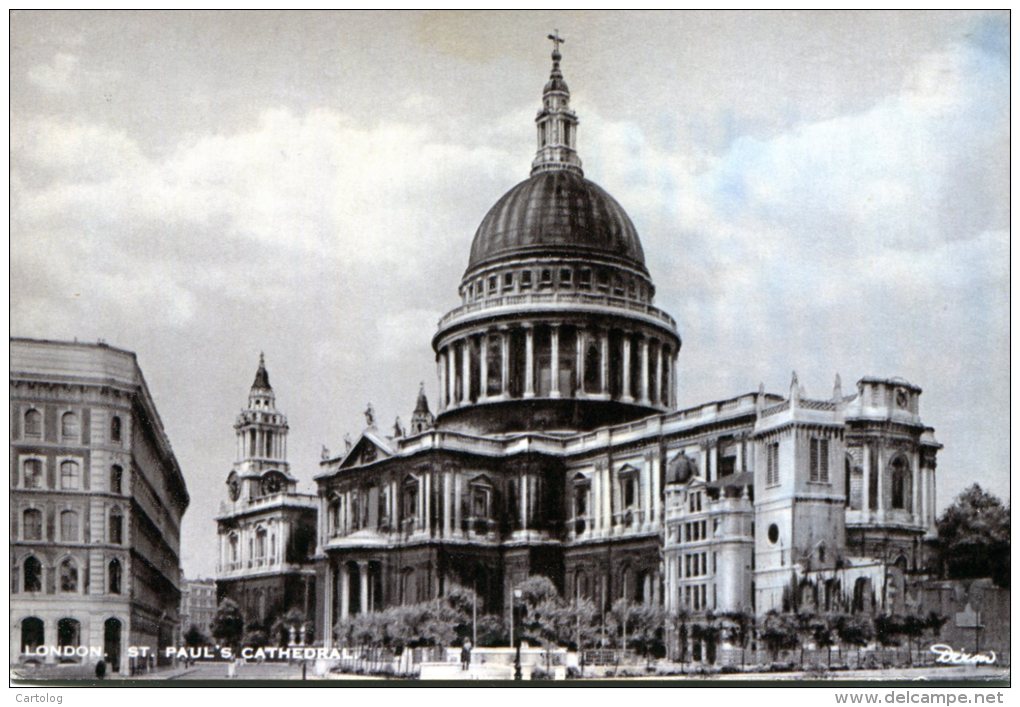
(233, 487)
(271, 485)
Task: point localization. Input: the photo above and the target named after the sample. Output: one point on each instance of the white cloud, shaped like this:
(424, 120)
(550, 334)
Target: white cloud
(58, 76)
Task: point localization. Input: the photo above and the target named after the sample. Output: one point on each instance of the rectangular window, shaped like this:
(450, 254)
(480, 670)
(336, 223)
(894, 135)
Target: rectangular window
(508, 281)
(585, 280)
(493, 281)
(566, 276)
(69, 526)
(546, 280)
(819, 460)
(525, 279)
(772, 464)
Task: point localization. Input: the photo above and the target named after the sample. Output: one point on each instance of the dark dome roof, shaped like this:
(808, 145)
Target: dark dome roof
(556, 210)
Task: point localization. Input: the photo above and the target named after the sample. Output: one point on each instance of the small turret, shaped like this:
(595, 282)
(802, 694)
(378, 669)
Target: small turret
(422, 419)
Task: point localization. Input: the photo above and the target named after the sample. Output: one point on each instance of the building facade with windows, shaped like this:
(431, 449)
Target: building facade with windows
(198, 605)
(265, 528)
(558, 449)
(97, 499)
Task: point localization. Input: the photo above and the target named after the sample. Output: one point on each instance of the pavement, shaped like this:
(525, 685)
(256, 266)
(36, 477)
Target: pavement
(246, 671)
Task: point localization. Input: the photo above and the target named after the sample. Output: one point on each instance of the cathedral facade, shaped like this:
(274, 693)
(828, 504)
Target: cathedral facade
(557, 447)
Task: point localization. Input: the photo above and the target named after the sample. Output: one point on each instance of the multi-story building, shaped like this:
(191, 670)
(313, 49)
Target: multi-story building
(97, 498)
(198, 605)
(557, 448)
(266, 529)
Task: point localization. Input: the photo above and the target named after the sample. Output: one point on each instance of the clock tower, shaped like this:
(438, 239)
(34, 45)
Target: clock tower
(266, 529)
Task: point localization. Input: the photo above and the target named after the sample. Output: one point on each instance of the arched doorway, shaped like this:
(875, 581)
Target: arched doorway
(32, 634)
(111, 644)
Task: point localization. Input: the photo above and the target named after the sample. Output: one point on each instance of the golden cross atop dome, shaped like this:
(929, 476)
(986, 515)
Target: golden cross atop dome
(555, 37)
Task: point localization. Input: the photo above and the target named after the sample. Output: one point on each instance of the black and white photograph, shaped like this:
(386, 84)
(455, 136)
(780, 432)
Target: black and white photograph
(510, 348)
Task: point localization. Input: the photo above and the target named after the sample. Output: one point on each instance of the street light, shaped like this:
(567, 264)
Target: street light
(515, 639)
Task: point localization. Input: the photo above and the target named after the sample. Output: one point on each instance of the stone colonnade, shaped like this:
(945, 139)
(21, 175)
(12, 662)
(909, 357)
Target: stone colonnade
(555, 360)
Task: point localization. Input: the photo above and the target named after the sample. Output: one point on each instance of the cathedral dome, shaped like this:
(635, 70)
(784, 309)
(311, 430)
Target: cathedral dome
(556, 210)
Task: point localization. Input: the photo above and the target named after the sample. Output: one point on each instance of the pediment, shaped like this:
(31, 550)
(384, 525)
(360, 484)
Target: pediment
(368, 449)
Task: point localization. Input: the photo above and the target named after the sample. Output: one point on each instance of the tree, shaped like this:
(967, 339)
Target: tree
(854, 630)
(739, 629)
(823, 634)
(804, 623)
(228, 624)
(913, 627)
(194, 636)
(888, 629)
(974, 537)
(280, 631)
(778, 633)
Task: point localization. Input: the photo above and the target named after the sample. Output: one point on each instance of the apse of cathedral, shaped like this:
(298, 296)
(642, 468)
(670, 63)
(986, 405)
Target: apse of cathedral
(557, 447)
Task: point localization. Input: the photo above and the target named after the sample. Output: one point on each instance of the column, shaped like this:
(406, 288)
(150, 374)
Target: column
(465, 370)
(504, 363)
(915, 486)
(655, 385)
(456, 502)
(394, 516)
(645, 399)
(483, 363)
(529, 361)
(607, 496)
(712, 472)
(363, 595)
(866, 485)
(579, 362)
(653, 462)
(345, 593)
(327, 610)
(604, 373)
(446, 505)
(451, 377)
(554, 363)
(524, 501)
(626, 370)
(441, 365)
(881, 480)
(646, 493)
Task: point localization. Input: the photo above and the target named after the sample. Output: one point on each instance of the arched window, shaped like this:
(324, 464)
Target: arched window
(69, 526)
(69, 428)
(233, 547)
(115, 429)
(68, 633)
(260, 543)
(33, 474)
(113, 574)
(116, 526)
(68, 575)
(33, 575)
(68, 475)
(116, 479)
(31, 527)
(900, 483)
(32, 634)
(33, 423)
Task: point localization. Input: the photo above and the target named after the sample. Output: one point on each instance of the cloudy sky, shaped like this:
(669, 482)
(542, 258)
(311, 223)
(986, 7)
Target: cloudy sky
(821, 192)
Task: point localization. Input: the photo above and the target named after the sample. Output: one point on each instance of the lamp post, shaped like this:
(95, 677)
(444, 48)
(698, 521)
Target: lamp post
(515, 634)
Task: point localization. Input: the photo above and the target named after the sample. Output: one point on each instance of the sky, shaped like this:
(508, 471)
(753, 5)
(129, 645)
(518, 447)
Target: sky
(815, 191)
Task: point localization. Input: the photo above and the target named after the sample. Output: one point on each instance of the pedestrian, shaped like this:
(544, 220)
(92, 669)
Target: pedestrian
(101, 669)
(465, 656)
